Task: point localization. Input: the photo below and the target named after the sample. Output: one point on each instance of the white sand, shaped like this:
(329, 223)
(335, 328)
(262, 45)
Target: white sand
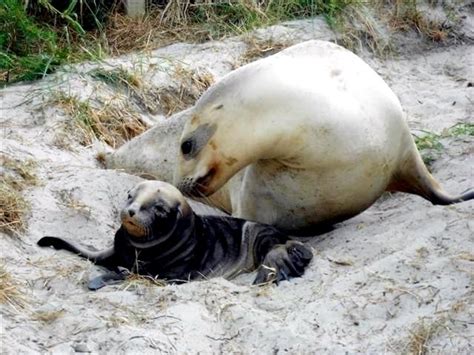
(407, 264)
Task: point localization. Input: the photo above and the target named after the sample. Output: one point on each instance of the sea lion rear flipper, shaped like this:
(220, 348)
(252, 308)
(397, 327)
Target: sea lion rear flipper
(413, 177)
(109, 278)
(284, 262)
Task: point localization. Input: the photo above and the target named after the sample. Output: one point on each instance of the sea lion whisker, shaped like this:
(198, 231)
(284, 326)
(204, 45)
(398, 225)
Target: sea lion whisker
(209, 201)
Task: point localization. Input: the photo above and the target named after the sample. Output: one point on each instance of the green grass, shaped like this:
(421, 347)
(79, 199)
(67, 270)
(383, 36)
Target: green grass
(461, 129)
(33, 45)
(30, 48)
(429, 143)
(223, 18)
(117, 77)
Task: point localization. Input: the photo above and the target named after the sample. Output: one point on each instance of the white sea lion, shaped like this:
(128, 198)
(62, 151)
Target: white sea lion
(315, 135)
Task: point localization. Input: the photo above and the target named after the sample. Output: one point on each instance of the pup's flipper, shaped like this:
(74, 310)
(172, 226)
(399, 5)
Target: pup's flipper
(284, 262)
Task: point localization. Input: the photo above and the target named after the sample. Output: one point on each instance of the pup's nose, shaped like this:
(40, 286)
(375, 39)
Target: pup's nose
(131, 212)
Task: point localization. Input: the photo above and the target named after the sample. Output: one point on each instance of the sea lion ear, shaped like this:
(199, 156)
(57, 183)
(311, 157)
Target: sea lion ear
(179, 207)
(183, 208)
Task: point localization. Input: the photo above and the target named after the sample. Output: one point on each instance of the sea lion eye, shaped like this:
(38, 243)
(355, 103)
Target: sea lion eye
(159, 209)
(187, 147)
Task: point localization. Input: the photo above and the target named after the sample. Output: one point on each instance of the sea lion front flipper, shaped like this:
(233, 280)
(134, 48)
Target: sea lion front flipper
(109, 278)
(283, 262)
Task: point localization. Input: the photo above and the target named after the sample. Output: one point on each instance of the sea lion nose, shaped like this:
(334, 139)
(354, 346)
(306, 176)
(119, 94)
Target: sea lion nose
(131, 212)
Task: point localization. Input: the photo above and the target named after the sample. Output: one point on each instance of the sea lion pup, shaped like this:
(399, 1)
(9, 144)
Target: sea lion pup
(161, 236)
(318, 135)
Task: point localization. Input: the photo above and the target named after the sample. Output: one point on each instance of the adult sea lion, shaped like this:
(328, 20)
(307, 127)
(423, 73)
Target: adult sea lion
(161, 236)
(315, 133)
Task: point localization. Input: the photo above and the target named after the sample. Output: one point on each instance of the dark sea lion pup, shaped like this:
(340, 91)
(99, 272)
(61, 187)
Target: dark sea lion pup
(161, 236)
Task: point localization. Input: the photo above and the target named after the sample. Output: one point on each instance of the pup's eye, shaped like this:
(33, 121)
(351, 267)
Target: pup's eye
(129, 196)
(159, 209)
(187, 147)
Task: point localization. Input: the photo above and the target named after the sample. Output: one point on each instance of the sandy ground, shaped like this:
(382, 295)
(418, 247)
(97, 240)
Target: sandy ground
(398, 275)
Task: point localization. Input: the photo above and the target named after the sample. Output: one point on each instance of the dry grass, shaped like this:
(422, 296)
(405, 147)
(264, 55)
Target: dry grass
(17, 175)
(358, 28)
(131, 84)
(199, 21)
(261, 48)
(101, 158)
(10, 292)
(190, 85)
(12, 210)
(114, 123)
(48, 317)
(157, 28)
(405, 15)
(420, 336)
(67, 199)
(136, 281)
(372, 24)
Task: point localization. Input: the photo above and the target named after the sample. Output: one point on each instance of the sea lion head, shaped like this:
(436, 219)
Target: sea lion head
(154, 211)
(235, 123)
(213, 148)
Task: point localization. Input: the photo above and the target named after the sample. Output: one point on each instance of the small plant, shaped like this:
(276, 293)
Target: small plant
(421, 334)
(111, 124)
(406, 15)
(134, 281)
(461, 129)
(10, 292)
(258, 48)
(17, 176)
(429, 143)
(48, 317)
(190, 85)
(117, 77)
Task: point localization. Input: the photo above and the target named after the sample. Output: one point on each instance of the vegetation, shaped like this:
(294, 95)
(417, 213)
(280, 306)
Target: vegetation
(10, 290)
(34, 42)
(17, 175)
(110, 123)
(429, 143)
(31, 48)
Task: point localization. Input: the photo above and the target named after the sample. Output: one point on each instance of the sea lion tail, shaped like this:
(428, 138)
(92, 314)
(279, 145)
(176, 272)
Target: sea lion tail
(414, 177)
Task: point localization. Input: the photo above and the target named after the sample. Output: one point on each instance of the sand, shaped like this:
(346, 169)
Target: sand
(395, 279)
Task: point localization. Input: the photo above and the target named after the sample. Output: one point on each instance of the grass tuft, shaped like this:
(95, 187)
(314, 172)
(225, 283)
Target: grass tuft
(261, 48)
(134, 281)
(111, 123)
(48, 317)
(430, 146)
(406, 16)
(17, 175)
(460, 129)
(10, 292)
(190, 85)
(420, 336)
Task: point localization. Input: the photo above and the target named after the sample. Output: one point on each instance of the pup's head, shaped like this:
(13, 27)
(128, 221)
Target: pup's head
(152, 213)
